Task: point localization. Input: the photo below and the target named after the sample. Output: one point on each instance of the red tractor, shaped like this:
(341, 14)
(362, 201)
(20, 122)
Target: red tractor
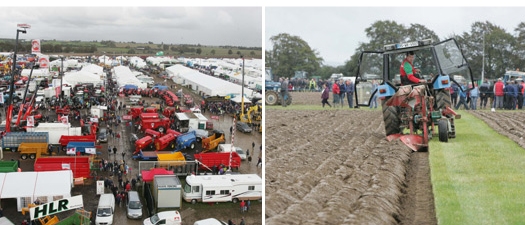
(411, 111)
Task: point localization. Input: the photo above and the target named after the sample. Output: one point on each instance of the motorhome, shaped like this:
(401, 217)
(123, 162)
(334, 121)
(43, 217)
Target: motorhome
(222, 188)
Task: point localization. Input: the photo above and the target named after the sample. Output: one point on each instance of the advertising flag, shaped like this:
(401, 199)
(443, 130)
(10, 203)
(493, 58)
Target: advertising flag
(35, 46)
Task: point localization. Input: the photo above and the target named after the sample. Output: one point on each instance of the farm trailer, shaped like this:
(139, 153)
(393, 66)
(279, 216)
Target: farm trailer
(12, 140)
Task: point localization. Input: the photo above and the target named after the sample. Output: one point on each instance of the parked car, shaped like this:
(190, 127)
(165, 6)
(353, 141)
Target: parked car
(102, 135)
(243, 127)
(133, 138)
(166, 217)
(199, 133)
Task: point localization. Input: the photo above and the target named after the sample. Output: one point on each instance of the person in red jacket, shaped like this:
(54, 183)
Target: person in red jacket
(408, 71)
(335, 92)
(498, 94)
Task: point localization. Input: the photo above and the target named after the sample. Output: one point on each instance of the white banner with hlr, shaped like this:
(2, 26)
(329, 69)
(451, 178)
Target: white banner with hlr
(55, 207)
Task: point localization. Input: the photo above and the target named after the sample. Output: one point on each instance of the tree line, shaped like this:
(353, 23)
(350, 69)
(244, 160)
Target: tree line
(503, 50)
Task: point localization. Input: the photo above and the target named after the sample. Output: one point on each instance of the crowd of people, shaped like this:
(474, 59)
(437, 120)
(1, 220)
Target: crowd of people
(496, 95)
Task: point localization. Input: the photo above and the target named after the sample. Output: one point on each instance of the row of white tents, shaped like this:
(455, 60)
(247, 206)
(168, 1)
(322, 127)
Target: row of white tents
(205, 84)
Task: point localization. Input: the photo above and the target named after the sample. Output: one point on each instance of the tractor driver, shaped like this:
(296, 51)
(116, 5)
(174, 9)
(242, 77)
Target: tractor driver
(409, 74)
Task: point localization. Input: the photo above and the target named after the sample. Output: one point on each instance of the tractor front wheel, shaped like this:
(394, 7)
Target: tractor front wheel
(443, 130)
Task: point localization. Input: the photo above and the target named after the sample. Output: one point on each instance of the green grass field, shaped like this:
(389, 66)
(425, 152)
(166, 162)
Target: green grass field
(478, 177)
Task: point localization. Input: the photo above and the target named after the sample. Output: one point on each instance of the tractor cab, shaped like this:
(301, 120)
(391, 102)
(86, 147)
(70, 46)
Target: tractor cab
(413, 108)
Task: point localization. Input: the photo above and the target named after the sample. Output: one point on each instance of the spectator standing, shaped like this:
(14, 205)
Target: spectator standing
(474, 93)
(335, 93)
(342, 92)
(484, 94)
(284, 91)
(259, 161)
(349, 87)
(498, 94)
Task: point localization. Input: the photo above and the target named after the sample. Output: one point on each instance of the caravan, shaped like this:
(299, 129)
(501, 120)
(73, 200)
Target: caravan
(222, 188)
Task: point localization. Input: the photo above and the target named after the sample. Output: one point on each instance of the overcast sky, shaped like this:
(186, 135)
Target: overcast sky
(335, 32)
(235, 26)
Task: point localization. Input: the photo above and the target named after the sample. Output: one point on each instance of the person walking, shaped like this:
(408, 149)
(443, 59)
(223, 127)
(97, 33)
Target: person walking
(243, 205)
(462, 98)
(115, 150)
(259, 161)
(325, 95)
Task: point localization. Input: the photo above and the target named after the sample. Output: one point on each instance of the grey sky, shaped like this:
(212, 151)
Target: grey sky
(335, 32)
(235, 26)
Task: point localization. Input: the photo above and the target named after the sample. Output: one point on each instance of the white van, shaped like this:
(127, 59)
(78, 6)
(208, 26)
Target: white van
(227, 148)
(105, 210)
(133, 206)
(210, 221)
(165, 218)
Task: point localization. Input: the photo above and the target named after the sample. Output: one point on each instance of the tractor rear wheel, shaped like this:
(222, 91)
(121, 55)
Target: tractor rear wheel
(271, 98)
(391, 119)
(443, 130)
(443, 99)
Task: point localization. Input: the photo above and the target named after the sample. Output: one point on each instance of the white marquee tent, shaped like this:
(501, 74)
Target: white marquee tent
(82, 76)
(204, 84)
(26, 187)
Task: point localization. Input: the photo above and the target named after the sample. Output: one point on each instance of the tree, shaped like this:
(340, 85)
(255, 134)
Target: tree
(198, 51)
(230, 52)
(212, 51)
(252, 53)
(386, 32)
(290, 54)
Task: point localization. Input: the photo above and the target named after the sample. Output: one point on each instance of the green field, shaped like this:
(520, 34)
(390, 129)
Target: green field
(478, 177)
(111, 48)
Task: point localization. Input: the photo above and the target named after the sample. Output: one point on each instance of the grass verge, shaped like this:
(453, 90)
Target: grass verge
(478, 177)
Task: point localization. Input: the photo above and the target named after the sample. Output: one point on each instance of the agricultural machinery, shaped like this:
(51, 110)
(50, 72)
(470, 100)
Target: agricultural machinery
(273, 90)
(411, 112)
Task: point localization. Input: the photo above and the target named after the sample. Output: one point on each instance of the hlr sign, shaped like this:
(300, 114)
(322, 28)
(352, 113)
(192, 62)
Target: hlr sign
(56, 207)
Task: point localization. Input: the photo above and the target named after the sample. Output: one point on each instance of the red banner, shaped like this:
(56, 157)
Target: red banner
(35, 46)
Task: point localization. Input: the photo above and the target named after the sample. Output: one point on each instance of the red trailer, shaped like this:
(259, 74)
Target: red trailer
(208, 160)
(65, 139)
(79, 165)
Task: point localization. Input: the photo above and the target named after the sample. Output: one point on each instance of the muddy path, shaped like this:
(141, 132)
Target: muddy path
(336, 167)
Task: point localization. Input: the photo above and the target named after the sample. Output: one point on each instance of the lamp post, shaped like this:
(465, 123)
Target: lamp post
(13, 66)
(483, 60)
(61, 74)
(242, 87)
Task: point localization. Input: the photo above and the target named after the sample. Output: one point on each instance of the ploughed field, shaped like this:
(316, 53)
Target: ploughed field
(336, 167)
